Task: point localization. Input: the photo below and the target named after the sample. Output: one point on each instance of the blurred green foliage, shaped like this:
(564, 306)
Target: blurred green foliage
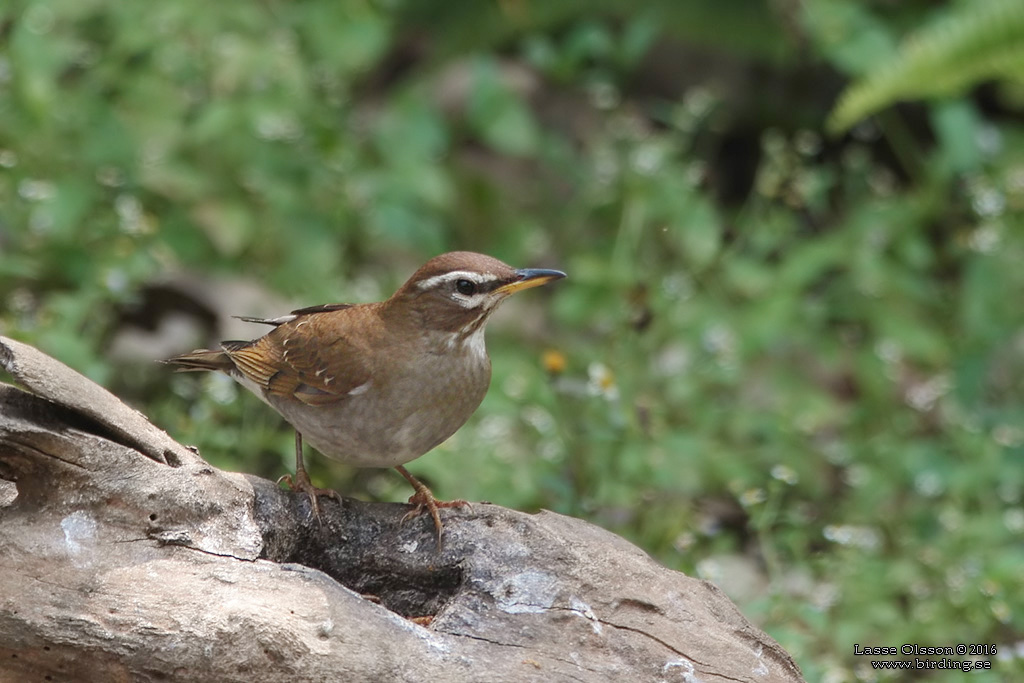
(979, 41)
(801, 351)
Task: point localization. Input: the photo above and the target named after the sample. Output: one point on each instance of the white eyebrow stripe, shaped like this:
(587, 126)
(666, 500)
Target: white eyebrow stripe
(478, 278)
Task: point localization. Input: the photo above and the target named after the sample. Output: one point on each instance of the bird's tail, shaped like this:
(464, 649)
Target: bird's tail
(202, 359)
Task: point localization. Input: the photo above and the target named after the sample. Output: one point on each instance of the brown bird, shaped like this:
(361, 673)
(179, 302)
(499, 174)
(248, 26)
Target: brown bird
(380, 384)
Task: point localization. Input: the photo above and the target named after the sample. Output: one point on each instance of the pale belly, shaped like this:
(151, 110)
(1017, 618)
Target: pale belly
(385, 429)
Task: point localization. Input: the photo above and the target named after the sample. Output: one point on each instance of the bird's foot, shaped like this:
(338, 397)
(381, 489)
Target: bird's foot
(424, 500)
(301, 482)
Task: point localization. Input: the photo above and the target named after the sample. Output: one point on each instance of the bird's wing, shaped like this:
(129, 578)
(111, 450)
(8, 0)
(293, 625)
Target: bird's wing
(321, 308)
(309, 358)
(281, 320)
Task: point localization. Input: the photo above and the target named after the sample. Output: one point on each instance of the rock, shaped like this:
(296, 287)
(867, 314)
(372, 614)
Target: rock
(123, 564)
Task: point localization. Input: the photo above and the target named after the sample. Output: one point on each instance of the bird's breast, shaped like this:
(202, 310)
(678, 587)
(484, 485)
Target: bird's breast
(406, 410)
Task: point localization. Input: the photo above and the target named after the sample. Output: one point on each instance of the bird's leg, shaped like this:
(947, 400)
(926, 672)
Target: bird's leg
(301, 481)
(424, 499)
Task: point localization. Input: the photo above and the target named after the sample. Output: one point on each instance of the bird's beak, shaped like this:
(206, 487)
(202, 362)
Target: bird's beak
(530, 277)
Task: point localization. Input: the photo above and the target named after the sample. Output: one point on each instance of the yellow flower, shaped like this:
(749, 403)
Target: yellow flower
(554, 361)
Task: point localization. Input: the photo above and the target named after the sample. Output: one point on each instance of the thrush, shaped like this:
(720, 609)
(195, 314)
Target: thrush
(379, 384)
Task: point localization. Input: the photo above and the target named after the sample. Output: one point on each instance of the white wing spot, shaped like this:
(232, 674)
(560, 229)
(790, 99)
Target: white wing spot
(361, 389)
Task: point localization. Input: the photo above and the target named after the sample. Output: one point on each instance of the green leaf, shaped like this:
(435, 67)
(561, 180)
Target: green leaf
(957, 125)
(498, 114)
(228, 225)
(971, 43)
(701, 234)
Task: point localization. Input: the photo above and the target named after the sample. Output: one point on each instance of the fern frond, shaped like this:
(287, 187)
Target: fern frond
(975, 42)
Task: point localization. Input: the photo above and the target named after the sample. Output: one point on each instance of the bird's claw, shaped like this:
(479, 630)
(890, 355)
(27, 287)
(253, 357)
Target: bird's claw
(301, 483)
(424, 500)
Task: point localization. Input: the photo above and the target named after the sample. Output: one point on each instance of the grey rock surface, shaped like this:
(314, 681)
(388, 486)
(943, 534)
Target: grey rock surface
(118, 563)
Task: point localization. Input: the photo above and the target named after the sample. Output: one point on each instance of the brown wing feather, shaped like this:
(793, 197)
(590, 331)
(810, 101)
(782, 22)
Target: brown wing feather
(281, 320)
(253, 362)
(311, 358)
(321, 308)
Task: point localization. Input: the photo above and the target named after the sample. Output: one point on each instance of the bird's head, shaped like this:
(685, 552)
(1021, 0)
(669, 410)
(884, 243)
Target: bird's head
(456, 292)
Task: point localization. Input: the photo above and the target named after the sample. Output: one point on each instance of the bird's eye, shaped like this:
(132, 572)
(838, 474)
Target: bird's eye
(465, 287)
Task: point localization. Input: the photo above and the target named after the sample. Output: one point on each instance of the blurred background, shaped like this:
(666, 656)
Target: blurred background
(789, 356)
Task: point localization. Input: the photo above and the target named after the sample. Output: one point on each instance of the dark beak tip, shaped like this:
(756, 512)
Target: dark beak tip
(536, 273)
(527, 278)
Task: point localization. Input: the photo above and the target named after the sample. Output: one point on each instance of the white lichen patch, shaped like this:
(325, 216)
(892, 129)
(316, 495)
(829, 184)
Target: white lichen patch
(583, 609)
(680, 670)
(79, 532)
(531, 591)
(762, 668)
